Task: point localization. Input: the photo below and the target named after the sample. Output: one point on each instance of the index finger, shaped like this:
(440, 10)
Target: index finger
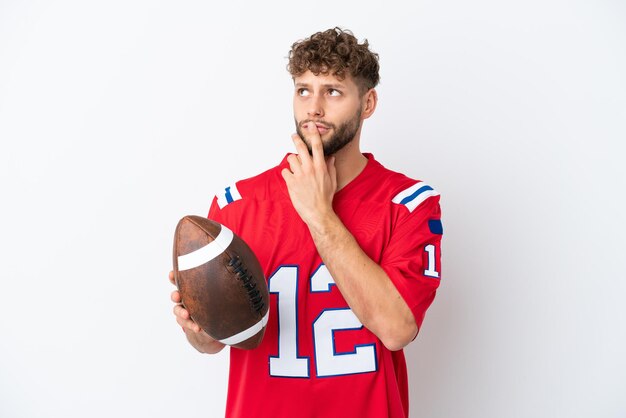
(301, 149)
(317, 148)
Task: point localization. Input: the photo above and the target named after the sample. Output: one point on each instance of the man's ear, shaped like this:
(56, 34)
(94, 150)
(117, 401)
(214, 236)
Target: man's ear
(369, 102)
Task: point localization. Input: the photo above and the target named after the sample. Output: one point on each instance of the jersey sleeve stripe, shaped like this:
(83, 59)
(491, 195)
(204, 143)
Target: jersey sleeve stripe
(415, 195)
(227, 196)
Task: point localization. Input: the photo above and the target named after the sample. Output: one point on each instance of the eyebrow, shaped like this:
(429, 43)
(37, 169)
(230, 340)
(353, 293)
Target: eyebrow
(330, 85)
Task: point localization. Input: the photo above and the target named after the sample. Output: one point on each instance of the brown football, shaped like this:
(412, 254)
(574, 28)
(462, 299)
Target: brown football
(221, 282)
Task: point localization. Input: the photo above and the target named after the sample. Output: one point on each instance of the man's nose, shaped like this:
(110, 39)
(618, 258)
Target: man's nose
(316, 108)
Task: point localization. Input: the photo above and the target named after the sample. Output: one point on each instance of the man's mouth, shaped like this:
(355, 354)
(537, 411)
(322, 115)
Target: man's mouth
(321, 127)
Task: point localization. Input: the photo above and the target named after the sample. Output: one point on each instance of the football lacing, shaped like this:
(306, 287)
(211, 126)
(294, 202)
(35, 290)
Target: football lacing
(256, 299)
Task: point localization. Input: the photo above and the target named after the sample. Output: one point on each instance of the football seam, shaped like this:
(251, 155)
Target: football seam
(248, 283)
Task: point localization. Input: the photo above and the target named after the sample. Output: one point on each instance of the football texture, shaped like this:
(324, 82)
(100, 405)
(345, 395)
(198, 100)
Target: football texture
(221, 282)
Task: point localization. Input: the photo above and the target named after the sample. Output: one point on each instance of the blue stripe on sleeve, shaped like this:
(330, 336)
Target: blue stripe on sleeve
(414, 195)
(229, 197)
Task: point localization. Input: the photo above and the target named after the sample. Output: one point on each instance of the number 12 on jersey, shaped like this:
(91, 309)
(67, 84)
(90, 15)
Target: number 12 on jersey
(284, 283)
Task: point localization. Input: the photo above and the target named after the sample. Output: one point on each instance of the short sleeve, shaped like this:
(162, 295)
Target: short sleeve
(223, 198)
(412, 258)
(215, 213)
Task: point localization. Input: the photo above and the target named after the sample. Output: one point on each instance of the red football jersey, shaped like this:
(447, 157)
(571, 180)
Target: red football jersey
(316, 359)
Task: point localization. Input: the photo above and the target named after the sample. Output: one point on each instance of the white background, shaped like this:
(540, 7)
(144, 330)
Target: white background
(119, 117)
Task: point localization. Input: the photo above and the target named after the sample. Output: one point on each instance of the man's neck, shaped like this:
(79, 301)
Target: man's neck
(349, 162)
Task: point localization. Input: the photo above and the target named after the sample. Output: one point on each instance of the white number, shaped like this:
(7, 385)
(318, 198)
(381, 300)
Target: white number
(328, 362)
(430, 271)
(288, 364)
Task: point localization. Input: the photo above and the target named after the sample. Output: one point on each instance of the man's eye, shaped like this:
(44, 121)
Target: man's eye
(303, 92)
(334, 92)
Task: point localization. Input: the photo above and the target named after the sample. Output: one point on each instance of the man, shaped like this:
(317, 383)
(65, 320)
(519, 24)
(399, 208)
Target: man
(351, 251)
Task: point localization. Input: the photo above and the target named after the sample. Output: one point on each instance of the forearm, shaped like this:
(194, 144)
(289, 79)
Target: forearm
(368, 290)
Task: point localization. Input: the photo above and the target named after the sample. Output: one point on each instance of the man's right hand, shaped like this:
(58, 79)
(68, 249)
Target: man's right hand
(199, 339)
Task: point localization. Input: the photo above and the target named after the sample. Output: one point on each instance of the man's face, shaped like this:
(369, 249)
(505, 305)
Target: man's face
(333, 105)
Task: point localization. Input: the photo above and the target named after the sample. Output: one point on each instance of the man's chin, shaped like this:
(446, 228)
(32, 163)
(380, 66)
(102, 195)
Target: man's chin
(324, 138)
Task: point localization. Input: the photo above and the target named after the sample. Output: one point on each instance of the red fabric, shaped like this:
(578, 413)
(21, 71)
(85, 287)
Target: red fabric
(376, 385)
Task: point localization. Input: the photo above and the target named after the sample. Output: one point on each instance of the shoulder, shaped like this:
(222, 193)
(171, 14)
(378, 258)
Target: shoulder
(400, 190)
(266, 185)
